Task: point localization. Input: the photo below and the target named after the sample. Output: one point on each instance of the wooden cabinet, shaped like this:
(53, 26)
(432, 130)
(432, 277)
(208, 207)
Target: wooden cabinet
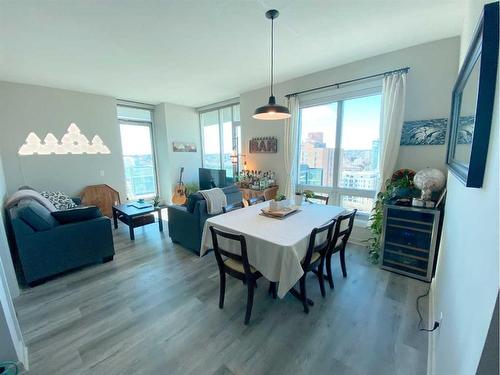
(409, 240)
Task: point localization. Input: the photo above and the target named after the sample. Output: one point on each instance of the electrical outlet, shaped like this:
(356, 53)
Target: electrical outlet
(101, 172)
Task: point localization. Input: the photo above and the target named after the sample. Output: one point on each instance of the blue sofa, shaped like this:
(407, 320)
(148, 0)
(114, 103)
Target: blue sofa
(185, 223)
(45, 247)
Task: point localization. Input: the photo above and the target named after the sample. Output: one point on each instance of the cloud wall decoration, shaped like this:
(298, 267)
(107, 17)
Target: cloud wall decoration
(73, 142)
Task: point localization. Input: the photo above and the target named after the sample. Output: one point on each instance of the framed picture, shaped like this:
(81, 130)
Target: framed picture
(472, 102)
(184, 147)
(424, 132)
(263, 145)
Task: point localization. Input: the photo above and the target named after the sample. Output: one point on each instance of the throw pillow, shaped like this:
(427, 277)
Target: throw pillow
(77, 214)
(35, 215)
(60, 200)
(192, 199)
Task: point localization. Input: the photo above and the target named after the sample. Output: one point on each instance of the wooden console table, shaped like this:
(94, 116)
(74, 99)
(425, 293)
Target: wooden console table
(269, 193)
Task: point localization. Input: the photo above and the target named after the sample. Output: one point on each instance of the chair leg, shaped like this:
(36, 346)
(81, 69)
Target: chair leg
(342, 262)
(321, 279)
(272, 289)
(222, 289)
(329, 270)
(303, 293)
(250, 286)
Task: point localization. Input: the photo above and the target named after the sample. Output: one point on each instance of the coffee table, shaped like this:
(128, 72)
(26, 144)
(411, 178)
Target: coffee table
(136, 217)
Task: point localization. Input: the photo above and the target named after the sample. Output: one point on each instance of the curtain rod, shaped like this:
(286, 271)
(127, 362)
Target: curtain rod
(350, 81)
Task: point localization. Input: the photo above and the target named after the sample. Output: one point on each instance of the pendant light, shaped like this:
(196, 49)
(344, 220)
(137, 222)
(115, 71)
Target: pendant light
(272, 111)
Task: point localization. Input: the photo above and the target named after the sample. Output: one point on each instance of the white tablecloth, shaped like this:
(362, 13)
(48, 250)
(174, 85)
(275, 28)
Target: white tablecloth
(275, 247)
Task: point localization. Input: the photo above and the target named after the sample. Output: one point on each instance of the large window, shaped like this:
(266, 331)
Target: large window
(138, 152)
(221, 134)
(339, 148)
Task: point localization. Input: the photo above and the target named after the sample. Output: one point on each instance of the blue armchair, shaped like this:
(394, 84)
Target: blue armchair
(185, 223)
(45, 247)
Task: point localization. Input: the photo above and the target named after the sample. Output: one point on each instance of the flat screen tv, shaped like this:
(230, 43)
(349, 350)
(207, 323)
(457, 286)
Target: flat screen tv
(210, 178)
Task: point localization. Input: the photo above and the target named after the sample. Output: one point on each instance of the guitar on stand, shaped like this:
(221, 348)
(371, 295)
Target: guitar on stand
(179, 196)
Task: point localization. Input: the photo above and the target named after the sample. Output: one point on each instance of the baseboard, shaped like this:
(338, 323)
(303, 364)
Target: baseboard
(431, 337)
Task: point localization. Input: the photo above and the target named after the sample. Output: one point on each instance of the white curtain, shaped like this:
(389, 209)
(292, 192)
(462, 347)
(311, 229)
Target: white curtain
(290, 145)
(393, 108)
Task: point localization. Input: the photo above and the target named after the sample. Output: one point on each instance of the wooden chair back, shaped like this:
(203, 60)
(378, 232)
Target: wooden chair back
(233, 206)
(342, 231)
(323, 199)
(103, 196)
(255, 200)
(323, 246)
(220, 252)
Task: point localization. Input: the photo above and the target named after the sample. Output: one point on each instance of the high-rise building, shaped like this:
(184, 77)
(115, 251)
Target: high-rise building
(375, 154)
(315, 155)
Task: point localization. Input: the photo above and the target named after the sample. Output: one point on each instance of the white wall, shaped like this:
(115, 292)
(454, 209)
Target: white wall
(467, 276)
(26, 108)
(175, 123)
(12, 346)
(5, 257)
(430, 80)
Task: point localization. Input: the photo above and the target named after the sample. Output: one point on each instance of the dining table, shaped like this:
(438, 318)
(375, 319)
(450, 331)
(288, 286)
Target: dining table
(275, 247)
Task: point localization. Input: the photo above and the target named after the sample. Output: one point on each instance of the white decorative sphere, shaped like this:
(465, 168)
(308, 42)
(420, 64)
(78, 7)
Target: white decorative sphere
(429, 180)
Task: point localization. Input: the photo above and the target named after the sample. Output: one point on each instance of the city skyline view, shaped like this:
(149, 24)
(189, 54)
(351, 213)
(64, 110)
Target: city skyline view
(140, 178)
(359, 148)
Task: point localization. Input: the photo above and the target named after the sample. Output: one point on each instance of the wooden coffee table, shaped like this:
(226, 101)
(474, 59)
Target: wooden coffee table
(136, 217)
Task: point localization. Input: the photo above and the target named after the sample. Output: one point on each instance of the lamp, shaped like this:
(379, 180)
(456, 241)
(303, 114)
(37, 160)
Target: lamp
(272, 111)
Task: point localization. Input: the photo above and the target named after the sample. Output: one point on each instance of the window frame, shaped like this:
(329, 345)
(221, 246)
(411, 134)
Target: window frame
(335, 192)
(235, 141)
(150, 124)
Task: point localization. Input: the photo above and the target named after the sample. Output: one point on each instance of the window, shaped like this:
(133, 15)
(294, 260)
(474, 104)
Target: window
(138, 152)
(339, 148)
(221, 134)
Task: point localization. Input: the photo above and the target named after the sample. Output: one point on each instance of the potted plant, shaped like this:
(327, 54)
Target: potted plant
(278, 203)
(191, 187)
(156, 201)
(308, 194)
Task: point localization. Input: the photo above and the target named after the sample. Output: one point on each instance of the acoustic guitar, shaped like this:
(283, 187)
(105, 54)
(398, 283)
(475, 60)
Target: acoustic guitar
(179, 196)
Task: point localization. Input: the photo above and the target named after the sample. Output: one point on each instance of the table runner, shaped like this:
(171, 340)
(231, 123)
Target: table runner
(275, 247)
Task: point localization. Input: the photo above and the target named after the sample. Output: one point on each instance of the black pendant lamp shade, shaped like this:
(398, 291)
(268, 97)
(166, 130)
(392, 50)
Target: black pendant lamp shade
(272, 111)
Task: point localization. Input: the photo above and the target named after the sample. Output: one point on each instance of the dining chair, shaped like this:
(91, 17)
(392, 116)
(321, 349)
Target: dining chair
(233, 207)
(314, 259)
(255, 200)
(322, 198)
(341, 235)
(236, 266)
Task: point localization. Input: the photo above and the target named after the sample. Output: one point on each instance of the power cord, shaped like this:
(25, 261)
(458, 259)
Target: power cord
(421, 319)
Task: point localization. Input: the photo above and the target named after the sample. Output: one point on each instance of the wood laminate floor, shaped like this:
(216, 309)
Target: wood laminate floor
(154, 310)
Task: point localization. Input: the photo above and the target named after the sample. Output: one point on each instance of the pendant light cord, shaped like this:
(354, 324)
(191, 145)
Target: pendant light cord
(272, 55)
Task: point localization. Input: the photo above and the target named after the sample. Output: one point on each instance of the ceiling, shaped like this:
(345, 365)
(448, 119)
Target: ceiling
(197, 52)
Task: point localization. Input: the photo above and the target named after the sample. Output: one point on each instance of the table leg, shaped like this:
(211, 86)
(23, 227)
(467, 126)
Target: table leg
(115, 218)
(294, 292)
(131, 231)
(160, 221)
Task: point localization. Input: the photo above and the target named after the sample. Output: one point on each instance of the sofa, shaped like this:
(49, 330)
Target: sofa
(46, 246)
(185, 223)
